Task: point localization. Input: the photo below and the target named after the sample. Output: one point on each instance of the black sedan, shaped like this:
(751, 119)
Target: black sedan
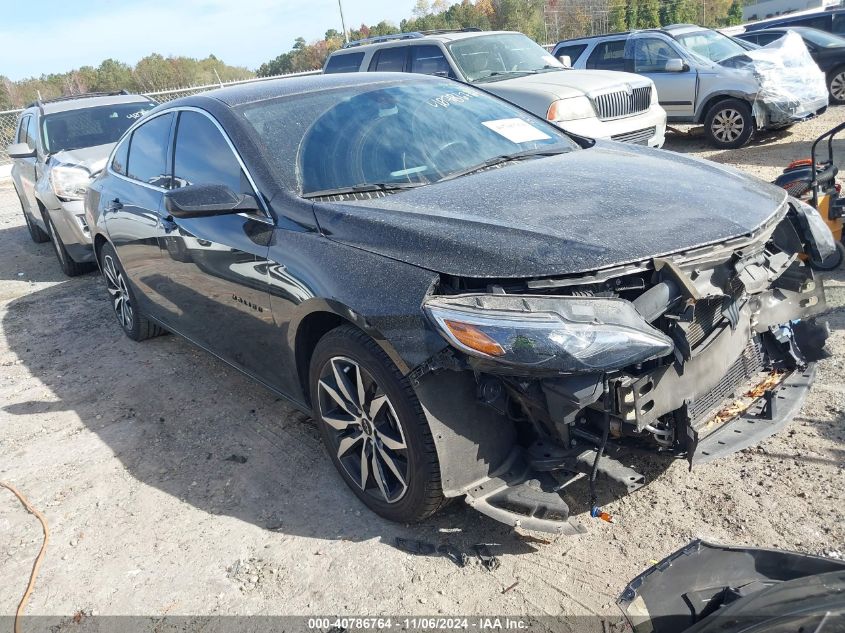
(827, 49)
(470, 302)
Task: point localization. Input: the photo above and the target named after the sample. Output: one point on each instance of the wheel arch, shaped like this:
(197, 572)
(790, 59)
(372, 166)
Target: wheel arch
(99, 241)
(723, 96)
(318, 319)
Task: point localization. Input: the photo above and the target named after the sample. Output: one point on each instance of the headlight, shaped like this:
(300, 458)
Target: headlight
(69, 183)
(571, 109)
(817, 233)
(561, 334)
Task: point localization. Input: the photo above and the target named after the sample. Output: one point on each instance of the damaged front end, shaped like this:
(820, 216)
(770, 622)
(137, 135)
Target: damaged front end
(695, 354)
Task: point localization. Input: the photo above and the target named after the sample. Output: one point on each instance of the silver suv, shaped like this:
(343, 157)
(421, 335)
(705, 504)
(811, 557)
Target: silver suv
(608, 105)
(59, 147)
(700, 77)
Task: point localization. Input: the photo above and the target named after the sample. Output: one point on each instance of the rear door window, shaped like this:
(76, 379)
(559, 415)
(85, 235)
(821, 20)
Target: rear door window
(389, 60)
(345, 63)
(430, 60)
(608, 56)
(147, 160)
(839, 23)
(572, 51)
(767, 38)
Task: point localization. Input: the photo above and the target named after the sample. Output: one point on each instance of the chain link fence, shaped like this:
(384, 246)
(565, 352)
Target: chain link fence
(9, 118)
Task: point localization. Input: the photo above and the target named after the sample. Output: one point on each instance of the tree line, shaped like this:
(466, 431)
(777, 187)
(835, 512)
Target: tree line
(152, 73)
(545, 21)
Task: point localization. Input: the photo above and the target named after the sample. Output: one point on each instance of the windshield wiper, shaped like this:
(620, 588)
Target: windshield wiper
(504, 158)
(364, 188)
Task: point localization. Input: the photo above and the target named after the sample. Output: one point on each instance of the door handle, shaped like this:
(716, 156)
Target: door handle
(114, 205)
(168, 224)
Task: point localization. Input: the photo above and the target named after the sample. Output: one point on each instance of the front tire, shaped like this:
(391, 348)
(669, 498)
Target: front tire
(69, 266)
(836, 85)
(35, 233)
(132, 321)
(729, 124)
(373, 427)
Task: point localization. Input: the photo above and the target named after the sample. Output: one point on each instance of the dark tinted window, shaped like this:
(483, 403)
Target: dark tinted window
(346, 63)
(389, 60)
(608, 56)
(88, 127)
(429, 60)
(839, 23)
(573, 51)
(767, 38)
(118, 163)
(148, 151)
(202, 155)
(817, 22)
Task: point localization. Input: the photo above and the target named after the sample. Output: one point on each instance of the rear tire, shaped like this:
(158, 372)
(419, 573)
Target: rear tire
(131, 320)
(69, 266)
(38, 236)
(729, 124)
(373, 427)
(836, 85)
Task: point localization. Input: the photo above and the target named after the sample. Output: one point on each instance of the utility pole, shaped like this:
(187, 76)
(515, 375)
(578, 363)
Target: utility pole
(343, 23)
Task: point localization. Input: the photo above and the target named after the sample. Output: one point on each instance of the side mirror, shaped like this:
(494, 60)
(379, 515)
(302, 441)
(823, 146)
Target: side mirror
(20, 150)
(676, 66)
(197, 201)
(566, 60)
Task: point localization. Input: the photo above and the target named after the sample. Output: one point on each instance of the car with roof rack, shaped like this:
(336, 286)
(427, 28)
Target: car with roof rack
(706, 77)
(60, 145)
(595, 104)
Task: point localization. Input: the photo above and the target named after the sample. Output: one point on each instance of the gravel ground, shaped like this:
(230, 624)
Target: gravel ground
(127, 448)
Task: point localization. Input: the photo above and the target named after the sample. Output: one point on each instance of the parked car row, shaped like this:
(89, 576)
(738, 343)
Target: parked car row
(703, 76)
(469, 300)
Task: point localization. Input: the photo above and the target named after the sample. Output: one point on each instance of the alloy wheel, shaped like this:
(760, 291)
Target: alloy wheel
(727, 125)
(837, 86)
(116, 285)
(366, 432)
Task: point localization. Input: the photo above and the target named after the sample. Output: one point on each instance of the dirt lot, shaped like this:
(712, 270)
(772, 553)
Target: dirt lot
(124, 447)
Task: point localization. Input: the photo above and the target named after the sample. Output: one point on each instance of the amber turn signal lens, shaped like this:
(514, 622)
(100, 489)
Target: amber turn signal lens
(474, 338)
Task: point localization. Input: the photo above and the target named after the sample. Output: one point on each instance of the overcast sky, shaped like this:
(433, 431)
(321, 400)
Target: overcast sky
(49, 36)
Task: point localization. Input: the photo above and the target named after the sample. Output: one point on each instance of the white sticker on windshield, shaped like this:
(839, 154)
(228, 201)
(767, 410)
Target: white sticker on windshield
(516, 130)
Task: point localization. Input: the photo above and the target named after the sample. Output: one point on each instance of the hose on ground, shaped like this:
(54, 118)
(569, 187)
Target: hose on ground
(38, 559)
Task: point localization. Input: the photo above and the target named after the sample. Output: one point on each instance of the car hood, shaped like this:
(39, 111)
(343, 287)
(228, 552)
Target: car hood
(91, 158)
(566, 83)
(604, 206)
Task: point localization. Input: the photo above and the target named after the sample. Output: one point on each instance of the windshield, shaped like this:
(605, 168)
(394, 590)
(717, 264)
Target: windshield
(822, 39)
(89, 127)
(494, 57)
(710, 45)
(393, 135)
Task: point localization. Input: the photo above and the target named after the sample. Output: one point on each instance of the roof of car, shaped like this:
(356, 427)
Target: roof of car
(416, 38)
(671, 30)
(263, 90)
(77, 102)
